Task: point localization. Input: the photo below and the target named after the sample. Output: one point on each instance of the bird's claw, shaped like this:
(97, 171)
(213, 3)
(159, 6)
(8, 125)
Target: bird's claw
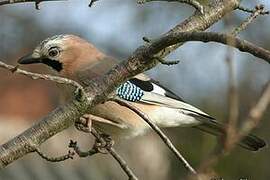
(103, 146)
(84, 124)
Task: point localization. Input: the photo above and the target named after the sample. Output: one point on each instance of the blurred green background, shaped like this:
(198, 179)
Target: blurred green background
(117, 27)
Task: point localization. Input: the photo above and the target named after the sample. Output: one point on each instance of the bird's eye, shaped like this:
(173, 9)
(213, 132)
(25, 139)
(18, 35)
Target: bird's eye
(53, 52)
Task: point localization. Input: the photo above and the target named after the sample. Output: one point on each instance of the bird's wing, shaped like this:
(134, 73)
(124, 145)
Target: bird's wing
(145, 90)
(149, 96)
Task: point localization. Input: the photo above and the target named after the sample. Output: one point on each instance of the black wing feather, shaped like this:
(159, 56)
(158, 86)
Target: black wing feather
(149, 86)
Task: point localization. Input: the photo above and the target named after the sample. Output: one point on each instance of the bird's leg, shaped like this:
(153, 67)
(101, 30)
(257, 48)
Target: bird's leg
(103, 141)
(84, 124)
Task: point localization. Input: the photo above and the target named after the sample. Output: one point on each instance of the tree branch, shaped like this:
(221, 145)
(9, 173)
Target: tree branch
(241, 45)
(109, 148)
(258, 10)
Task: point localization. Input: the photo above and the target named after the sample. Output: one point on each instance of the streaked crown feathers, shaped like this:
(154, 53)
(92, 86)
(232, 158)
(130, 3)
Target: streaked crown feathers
(57, 40)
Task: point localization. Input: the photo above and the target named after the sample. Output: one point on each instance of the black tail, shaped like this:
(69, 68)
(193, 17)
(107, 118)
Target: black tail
(249, 142)
(252, 143)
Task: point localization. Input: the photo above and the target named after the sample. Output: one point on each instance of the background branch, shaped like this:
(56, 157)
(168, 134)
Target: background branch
(256, 113)
(233, 95)
(233, 136)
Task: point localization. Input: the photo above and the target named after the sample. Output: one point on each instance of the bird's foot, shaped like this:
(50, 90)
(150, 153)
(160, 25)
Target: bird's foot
(84, 124)
(104, 144)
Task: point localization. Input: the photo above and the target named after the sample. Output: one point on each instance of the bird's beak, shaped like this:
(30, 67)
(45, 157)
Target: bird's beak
(29, 59)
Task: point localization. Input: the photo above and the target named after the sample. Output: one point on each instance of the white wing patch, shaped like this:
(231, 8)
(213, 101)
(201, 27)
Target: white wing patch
(158, 90)
(170, 117)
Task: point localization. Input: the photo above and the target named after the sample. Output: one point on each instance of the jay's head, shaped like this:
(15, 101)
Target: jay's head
(63, 53)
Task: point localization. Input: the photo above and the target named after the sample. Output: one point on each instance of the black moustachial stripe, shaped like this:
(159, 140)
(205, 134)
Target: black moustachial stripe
(54, 64)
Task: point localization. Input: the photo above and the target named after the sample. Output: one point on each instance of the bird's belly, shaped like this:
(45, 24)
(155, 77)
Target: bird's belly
(119, 133)
(168, 117)
(171, 117)
(131, 123)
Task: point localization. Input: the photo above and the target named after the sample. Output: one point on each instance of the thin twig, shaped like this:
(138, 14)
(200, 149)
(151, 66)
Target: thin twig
(48, 77)
(258, 10)
(109, 148)
(233, 104)
(67, 156)
(5, 2)
(116, 156)
(160, 59)
(164, 138)
(241, 45)
(123, 164)
(233, 101)
(256, 113)
(241, 8)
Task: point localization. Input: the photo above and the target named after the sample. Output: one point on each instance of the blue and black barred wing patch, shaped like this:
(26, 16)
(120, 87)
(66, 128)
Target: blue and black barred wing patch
(134, 89)
(130, 92)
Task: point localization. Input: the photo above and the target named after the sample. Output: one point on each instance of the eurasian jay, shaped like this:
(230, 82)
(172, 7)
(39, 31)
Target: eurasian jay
(73, 57)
